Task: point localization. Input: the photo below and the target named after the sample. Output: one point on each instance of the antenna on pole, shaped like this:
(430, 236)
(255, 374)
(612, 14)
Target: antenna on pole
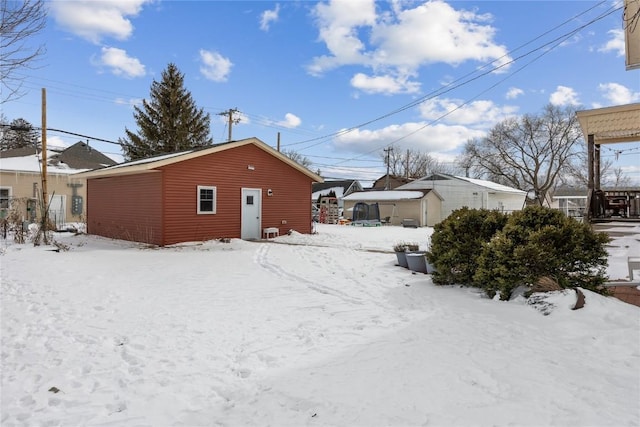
(232, 121)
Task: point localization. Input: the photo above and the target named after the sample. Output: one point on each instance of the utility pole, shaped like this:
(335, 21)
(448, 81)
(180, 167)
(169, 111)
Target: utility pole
(388, 151)
(45, 213)
(232, 121)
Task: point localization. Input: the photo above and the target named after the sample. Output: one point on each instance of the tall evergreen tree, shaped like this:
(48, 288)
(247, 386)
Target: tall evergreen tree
(168, 122)
(18, 134)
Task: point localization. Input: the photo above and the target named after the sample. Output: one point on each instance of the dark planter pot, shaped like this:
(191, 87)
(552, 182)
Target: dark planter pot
(417, 261)
(402, 259)
(430, 267)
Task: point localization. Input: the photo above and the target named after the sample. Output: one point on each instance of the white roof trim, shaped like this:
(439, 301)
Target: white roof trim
(385, 195)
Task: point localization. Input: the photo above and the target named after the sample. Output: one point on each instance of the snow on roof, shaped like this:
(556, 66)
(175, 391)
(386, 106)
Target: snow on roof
(151, 159)
(384, 195)
(32, 164)
(441, 180)
(338, 190)
(491, 185)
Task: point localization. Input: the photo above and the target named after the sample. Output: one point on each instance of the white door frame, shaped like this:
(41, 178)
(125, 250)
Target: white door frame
(251, 215)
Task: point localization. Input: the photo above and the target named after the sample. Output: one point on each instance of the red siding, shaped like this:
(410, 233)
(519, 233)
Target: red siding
(161, 207)
(228, 170)
(126, 207)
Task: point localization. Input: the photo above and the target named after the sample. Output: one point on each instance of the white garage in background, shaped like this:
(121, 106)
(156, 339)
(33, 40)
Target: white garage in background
(458, 192)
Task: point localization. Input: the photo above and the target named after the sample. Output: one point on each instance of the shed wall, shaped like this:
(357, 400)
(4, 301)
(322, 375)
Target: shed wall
(126, 207)
(229, 171)
(398, 210)
(433, 209)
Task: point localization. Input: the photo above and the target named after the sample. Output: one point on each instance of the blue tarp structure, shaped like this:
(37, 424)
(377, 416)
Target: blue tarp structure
(366, 215)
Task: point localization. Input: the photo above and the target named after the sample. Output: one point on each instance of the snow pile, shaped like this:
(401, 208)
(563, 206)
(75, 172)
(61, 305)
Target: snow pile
(318, 330)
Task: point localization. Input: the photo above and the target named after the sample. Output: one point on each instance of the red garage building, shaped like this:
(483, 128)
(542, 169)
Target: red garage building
(231, 190)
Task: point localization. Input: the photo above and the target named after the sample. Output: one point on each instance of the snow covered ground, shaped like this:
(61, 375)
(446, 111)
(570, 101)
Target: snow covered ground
(305, 330)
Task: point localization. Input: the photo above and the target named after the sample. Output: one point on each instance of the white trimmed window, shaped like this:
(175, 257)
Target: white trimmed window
(206, 199)
(5, 197)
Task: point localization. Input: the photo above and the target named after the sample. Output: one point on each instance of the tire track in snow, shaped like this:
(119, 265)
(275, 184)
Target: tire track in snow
(262, 259)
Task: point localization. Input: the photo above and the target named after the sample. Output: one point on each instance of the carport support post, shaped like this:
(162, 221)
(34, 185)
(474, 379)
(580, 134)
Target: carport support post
(590, 177)
(593, 169)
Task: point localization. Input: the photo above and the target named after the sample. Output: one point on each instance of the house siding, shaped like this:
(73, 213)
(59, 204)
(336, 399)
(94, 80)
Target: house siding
(229, 171)
(22, 184)
(126, 207)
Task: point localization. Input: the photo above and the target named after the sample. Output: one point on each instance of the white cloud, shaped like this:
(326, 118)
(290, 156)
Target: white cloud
(269, 16)
(615, 44)
(399, 41)
(93, 20)
(564, 96)
(435, 32)
(131, 102)
(514, 92)
(434, 139)
(120, 63)
(618, 94)
(214, 66)
(338, 22)
(479, 114)
(386, 85)
(56, 142)
(290, 121)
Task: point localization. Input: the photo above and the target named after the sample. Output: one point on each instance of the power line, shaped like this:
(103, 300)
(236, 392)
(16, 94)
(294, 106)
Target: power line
(554, 43)
(454, 84)
(451, 86)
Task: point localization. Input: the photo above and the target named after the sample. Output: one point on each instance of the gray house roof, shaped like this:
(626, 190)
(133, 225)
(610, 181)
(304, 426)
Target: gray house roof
(82, 156)
(348, 186)
(77, 157)
(426, 182)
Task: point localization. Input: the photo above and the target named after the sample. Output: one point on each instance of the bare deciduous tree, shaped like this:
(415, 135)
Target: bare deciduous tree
(619, 179)
(21, 21)
(610, 177)
(530, 152)
(297, 157)
(412, 163)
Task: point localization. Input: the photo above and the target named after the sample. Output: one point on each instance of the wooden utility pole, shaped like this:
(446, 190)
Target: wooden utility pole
(387, 150)
(45, 211)
(232, 121)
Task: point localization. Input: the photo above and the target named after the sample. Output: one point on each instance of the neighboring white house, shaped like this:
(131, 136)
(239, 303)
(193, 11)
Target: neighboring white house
(458, 192)
(422, 207)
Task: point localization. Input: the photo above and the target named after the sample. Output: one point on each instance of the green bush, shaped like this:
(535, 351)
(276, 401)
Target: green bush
(540, 242)
(456, 244)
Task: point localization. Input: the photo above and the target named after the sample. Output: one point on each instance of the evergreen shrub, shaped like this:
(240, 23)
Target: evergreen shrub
(456, 244)
(540, 242)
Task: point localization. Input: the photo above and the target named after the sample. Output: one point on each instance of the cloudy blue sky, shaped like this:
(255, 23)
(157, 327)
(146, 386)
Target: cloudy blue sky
(338, 80)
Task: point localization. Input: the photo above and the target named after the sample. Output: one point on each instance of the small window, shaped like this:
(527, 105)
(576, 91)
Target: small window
(5, 196)
(249, 200)
(206, 200)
